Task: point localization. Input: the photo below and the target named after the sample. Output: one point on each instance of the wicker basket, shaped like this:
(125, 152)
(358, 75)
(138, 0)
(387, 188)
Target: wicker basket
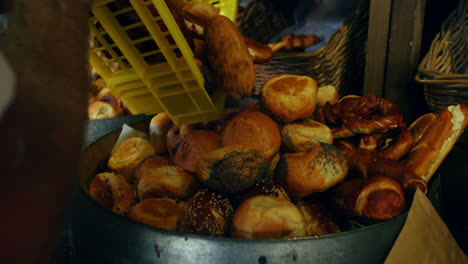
(441, 72)
(339, 63)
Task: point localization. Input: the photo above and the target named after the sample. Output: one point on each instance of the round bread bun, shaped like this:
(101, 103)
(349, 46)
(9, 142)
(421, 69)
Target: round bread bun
(161, 213)
(318, 220)
(113, 192)
(232, 168)
(207, 213)
(167, 182)
(298, 137)
(148, 165)
(263, 217)
(193, 146)
(314, 170)
(102, 110)
(327, 94)
(128, 156)
(265, 187)
(158, 129)
(253, 128)
(289, 97)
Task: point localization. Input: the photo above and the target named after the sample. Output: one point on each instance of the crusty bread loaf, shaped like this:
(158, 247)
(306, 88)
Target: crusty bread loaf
(289, 97)
(298, 137)
(161, 213)
(193, 146)
(314, 170)
(438, 139)
(167, 182)
(253, 128)
(128, 156)
(263, 217)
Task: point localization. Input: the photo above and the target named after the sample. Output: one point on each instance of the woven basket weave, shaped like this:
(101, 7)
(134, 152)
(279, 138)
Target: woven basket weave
(339, 63)
(441, 72)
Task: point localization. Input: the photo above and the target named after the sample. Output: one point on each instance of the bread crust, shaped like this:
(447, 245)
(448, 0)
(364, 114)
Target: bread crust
(161, 213)
(289, 97)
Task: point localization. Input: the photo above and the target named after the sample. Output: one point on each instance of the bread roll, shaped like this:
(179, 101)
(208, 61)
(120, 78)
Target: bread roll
(377, 197)
(174, 136)
(113, 192)
(314, 170)
(206, 213)
(289, 97)
(158, 129)
(438, 139)
(253, 128)
(102, 110)
(196, 16)
(318, 220)
(263, 217)
(193, 146)
(105, 95)
(260, 53)
(148, 165)
(232, 168)
(298, 137)
(420, 125)
(128, 156)
(271, 166)
(161, 213)
(327, 94)
(167, 182)
(228, 57)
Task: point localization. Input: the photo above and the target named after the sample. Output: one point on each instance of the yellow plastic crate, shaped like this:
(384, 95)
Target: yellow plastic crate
(138, 49)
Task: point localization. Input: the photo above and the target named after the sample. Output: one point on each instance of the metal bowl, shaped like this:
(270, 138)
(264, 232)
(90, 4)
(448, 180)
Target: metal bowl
(100, 236)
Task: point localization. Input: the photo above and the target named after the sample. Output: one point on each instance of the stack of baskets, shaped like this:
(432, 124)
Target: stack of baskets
(443, 71)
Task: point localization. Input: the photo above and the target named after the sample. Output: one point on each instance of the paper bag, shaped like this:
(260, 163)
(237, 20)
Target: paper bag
(425, 238)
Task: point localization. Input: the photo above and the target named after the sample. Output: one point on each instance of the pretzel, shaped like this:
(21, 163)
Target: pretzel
(399, 146)
(390, 117)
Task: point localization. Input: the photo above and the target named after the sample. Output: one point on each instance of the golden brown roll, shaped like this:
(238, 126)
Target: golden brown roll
(318, 220)
(193, 146)
(158, 129)
(232, 168)
(161, 213)
(167, 182)
(253, 128)
(113, 192)
(420, 125)
(102, 110)
(289, 97)
(271, 166)
(438, 139)
(207, 213)
(314, 170)
(265, 187)
(105, 95)
(128, 156)
(148, 165)
(263, 217)
(327, 94)
(377, 197)
(298, 137)
(98, 85)
(228, 56)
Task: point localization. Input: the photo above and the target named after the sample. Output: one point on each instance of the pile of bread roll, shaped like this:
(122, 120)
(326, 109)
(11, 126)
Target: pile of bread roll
(280, 168)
